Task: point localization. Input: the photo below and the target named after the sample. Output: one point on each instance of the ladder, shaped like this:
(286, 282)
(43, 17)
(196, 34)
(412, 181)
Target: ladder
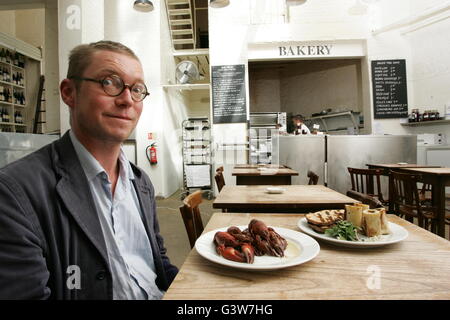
(181, 24)
(39, 110)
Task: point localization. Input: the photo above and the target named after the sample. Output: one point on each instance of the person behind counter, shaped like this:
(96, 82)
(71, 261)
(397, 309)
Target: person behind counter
(299, 126)
(77, 219)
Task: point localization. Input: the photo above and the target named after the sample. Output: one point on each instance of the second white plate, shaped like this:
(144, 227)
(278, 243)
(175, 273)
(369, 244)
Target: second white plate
(398, 233)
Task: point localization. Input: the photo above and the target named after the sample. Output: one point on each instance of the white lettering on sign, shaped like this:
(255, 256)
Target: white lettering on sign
(319, 50)
(73, 21)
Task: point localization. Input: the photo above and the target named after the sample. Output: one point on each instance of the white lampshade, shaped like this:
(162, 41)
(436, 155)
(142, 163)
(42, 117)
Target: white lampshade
(143, 5)
(295, 2)
(219, 3)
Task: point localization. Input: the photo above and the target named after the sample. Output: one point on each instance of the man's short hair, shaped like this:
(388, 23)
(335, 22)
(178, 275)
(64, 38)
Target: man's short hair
(80, 57)
(299, 117)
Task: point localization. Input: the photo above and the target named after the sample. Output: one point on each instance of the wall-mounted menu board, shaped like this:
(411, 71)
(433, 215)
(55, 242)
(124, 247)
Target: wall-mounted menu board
(228, 94)
(390, 99)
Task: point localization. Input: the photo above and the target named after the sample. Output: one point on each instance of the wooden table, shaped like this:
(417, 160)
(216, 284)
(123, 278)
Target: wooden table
(416, 268)
(263, 176)
(439, 178)
(387, 168)
(295, 198)
(254, 166)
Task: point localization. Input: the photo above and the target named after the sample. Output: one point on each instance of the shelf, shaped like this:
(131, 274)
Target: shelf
(193, 86)
(334, 115)
(13, 104)
(352, 117)
(425, 123)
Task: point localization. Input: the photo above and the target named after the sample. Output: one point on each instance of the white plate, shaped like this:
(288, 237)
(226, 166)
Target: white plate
(301, 248)
(274, 190)
(398, 233)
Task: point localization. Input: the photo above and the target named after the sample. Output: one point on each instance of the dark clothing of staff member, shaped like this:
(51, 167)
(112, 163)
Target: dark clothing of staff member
(77, 219)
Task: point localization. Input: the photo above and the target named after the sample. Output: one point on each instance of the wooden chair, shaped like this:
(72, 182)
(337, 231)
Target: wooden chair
(407, 201)
(191, 216)
(425, 194)
(367, 181)
(313, 178)
(220, 181)
(366, 199)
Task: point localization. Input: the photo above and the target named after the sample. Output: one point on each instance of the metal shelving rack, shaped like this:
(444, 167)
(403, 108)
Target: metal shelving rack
(197, 164)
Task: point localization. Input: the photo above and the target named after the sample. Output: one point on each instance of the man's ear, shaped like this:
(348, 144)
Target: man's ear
(68, 92)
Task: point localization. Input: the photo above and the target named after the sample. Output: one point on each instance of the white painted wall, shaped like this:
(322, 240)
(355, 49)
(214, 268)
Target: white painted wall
(423, 42)
(8, 22)
(228, 38)
(51, 67)
(79, 21)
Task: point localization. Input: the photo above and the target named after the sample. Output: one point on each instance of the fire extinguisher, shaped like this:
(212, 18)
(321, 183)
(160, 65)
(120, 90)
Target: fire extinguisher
(151, 154)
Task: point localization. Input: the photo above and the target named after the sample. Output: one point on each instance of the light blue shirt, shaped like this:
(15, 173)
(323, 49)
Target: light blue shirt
(129, 251)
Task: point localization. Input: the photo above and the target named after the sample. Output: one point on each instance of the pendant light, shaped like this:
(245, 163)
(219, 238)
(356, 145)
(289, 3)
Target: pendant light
(219, 3)
(295, 2)
(143, 5)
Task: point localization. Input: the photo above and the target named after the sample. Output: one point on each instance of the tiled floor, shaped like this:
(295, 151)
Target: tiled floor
(172, 226)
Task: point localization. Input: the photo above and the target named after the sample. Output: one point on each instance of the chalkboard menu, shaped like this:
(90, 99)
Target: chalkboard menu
(228, 94)
(390, 99)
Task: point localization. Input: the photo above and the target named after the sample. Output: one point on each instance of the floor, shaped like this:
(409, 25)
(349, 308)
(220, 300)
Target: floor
(172, 227)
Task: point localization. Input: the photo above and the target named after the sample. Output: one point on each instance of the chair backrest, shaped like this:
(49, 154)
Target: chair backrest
(406, 195)
(191, 216)
(367, 181)
(313, 178)
(220, 181)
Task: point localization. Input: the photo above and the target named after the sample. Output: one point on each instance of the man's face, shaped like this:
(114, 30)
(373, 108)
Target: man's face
(96, 115)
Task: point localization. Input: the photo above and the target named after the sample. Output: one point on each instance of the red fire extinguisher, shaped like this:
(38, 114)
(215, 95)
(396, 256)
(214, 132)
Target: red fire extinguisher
(151, 154)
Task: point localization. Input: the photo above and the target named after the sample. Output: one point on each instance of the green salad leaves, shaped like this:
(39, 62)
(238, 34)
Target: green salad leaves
(343, 230)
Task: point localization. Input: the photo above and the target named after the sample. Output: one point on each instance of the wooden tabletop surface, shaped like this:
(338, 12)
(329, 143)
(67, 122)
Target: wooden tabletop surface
(263, 171)
(436, 171)
(399, 165)
(415, 268)
(259, 166)
(293, 196)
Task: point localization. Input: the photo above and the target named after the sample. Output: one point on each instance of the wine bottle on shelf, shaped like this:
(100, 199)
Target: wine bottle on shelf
(8, 56)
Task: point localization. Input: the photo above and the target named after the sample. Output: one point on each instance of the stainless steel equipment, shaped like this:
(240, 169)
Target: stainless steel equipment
(14, 146)
(330, 155)
(301, 153)
(358, 151)
(262, 126)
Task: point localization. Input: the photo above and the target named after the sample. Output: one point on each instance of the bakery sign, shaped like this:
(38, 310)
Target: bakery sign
(305, 50)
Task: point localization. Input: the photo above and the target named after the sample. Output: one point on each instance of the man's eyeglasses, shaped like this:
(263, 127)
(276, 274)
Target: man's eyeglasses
(114, 86)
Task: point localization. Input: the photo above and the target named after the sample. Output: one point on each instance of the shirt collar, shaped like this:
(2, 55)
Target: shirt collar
(92, 167)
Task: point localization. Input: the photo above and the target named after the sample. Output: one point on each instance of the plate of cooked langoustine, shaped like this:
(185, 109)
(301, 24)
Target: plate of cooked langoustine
(357, 226)
(257, 246)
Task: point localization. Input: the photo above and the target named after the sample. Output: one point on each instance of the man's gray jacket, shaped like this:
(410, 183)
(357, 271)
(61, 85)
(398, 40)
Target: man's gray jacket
(51, 241)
